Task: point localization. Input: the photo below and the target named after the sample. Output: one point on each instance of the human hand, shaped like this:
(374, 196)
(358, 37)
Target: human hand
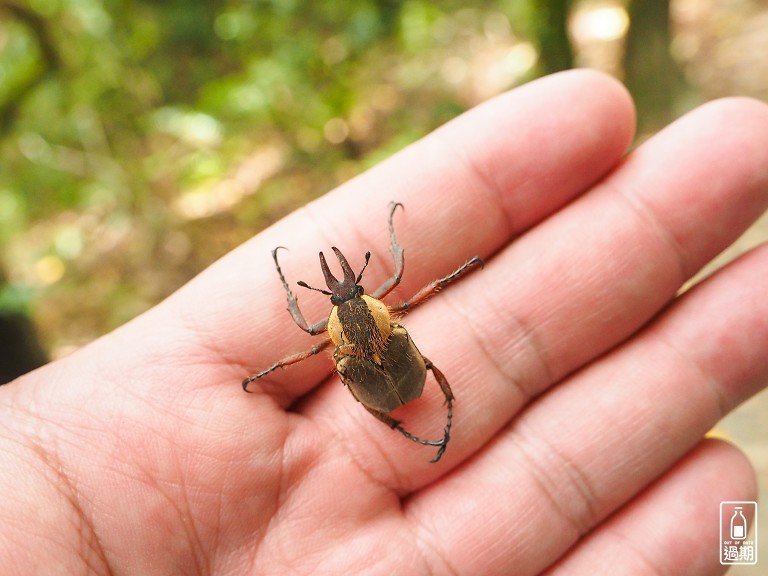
(583, 385)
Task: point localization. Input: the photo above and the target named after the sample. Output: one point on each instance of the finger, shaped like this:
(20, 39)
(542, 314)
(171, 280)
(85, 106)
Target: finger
(507, 164)
(591, 444)
(578, 284)
(673, 527)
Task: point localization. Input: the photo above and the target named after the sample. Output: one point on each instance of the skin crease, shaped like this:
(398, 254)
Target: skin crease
(584, 384)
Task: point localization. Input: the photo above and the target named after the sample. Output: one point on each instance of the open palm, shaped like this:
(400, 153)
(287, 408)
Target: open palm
(584, 382)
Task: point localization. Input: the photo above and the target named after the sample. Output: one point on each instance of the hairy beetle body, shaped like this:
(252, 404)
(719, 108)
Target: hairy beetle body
(360, 326)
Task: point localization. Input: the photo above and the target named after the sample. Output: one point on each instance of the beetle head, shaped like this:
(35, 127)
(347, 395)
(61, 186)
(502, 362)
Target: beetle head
(345, 289)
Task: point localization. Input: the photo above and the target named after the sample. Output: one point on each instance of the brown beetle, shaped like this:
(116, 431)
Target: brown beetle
(375, 356)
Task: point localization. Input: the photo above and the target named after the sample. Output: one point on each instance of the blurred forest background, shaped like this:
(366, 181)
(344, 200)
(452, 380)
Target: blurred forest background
(141, 140)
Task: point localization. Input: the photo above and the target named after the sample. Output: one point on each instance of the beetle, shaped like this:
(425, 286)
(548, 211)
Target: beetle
(374, 355)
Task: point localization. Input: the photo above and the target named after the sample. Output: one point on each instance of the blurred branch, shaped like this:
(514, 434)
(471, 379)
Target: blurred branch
(48, 64)
(550, 28)
(651, 74)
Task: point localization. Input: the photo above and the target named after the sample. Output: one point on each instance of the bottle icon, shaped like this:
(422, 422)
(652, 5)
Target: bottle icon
(738, 525)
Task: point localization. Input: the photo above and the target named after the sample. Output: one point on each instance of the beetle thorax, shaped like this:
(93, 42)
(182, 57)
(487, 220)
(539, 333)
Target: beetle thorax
(360, 326)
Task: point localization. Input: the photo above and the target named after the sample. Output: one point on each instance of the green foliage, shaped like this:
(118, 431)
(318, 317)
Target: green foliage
(142, 140)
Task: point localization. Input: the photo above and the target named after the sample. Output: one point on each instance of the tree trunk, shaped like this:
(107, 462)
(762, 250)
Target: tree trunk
(651, 75)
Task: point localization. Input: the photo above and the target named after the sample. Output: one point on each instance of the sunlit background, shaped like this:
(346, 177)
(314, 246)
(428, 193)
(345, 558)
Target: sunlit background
(140, 141)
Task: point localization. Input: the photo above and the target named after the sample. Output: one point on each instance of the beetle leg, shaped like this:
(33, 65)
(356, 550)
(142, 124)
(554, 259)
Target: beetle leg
(397, 425)
(383, 416)
(433, 287)
(441, 380)
(397, 255)
(293, 304)
(448, 393)
(442, 444)
(287, 361)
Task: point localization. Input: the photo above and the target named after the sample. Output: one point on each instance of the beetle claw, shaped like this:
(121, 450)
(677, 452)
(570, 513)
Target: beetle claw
(410, 436)
(441, 444)
(439, 453)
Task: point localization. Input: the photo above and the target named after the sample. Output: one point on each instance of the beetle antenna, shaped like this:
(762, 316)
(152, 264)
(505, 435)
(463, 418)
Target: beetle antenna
(360, 276)
(305, 285)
